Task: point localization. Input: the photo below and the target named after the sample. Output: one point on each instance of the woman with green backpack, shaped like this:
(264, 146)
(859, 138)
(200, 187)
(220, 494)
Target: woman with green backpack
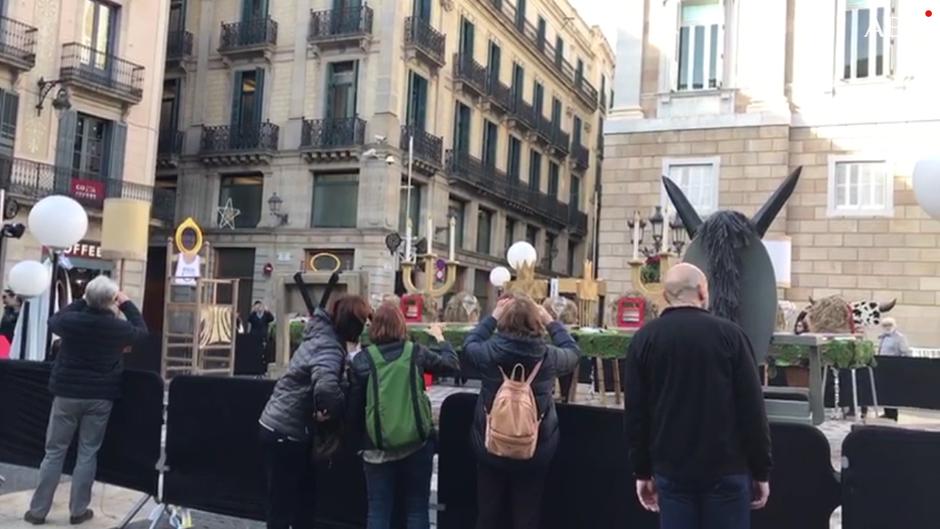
(388, 388)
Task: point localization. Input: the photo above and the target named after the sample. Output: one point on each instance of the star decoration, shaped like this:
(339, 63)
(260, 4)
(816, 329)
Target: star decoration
(227, 215)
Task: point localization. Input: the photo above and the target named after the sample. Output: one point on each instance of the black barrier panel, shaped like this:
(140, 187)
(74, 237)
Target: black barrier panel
(131, 448)
(215, 462)
(891, 480)
(249, 355)
(901, 382)
(591, 484)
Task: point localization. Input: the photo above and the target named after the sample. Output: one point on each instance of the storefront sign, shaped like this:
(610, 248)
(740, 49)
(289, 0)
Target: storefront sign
(84, 249)
(90, 190)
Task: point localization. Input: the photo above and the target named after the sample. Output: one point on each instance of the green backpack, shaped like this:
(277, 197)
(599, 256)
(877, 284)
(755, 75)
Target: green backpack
(398, 411)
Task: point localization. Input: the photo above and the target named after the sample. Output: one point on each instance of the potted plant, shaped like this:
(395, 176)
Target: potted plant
(651, 268)
(837, 353)
(793, 360)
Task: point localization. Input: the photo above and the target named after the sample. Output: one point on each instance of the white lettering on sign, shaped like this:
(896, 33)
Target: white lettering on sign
(84, 249)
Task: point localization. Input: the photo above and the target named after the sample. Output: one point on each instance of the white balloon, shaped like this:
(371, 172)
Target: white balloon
(521, 253)
(926, 182)
(499, 276)
(29, 278)
(58, 222)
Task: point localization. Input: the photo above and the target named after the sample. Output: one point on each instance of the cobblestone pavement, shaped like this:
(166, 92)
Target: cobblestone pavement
(111, 502)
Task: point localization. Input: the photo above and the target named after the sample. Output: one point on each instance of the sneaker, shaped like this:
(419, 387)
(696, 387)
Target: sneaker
(32, 519)
(82, 518)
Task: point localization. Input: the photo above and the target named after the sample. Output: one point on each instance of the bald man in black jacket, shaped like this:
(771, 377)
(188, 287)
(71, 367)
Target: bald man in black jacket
(700, 442)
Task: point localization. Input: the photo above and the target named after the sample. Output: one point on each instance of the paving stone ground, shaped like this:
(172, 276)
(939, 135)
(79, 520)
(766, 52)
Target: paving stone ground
(112, 503)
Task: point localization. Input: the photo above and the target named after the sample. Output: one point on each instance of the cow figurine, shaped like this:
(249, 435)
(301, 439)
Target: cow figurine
(727, 247)
(835, 315)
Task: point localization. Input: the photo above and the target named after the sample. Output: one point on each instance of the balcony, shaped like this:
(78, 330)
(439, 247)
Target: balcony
(179, 48)
(248, 144)
(499, 96)
(542, 129)
(424, 42)
(340, 28)
(35, 180)
(469, 76)
(169, 149)
(17, 44)
(505, 12)
(577, 221)
(521, 115)
(560, 143)
(579, 157)
(252, 38)
(427, 149)
(332, 139)
(470, 172)
(102, 73)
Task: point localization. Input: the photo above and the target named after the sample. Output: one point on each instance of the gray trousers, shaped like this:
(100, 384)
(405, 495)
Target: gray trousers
(90, 418)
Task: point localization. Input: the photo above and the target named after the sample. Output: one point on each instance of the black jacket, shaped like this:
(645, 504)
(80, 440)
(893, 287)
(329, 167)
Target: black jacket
(89, 364)
(440, 360)
(258, 325)
(695, 408)
(487, 353)
(8, 322)
(316, 371)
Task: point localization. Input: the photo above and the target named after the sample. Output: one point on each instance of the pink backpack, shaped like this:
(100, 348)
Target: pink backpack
(512, 424)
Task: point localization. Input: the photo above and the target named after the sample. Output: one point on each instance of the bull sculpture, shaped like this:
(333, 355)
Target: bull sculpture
(833, 314)
(728, 248)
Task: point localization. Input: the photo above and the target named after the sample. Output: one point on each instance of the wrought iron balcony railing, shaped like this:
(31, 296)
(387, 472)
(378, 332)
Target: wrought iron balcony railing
(522, 112)
(164, 204)
(333, 24)
(427, 147)
(102, 71)
(529, 33)
(332, 133)
(37, 180)
(423, 37)
(179, 45)
(471, 73)
(170, 143)
(248, 34)
(247, 137)
(560, 140)
(577, 220)
(17, 43)
(499, 94)
(579, 156)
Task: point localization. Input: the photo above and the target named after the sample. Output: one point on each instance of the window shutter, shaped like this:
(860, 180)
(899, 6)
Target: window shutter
(354, 100)
(236, 99)
(9, 104)
(64, 149)
(116, 151)
(259, 95)
(421, 103)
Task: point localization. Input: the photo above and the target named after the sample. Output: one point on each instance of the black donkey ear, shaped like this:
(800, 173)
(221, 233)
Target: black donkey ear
(765, 217)
(684, 208)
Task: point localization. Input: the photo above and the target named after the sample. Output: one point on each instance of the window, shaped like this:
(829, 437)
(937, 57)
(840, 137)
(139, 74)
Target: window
(466, 37)
(576, 131)
(481, 289)
(484, 230)
(538, 98)
(417, 101)
(866, 38)
(462, 129)
(553, 172)
(700, 44)
(415, 208)
(245, 193)
(531, 234)
(551, 250)
(326, 259)
(556, 113)
(247, 97)
(90, 151)
(456, 210)
(490, 143)
(493, 62)
(860, 187)
(335, 200)
(535, 170)
(579, 72)
(518, 78)
(698, 179)
(559, 51)
(341, 90)
(520, 13)
(515, 154)
(574, 193)
(422, 10)
(169, 108)
(177, 16)
(98, 23)
(603, 93)
(540, 34)
(254, 9)
(572, 257)
(510, 232)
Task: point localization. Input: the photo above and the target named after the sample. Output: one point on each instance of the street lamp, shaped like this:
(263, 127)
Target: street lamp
(678, 235)
(61, 100)
(656, 223)
(28, 279)
(58, 223)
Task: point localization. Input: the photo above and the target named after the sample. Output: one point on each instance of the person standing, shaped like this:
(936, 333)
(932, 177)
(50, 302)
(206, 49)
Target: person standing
(259, 321)
(312, 391)
(699, 437)
(520, 345)
(11, 313)
(398, 442)
(892, 342)
(86, 380)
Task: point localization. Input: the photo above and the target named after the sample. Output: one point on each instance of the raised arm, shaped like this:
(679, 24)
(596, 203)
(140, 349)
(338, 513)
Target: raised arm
(441, 358)
(138, 328)
(564, 352)
(475, 352)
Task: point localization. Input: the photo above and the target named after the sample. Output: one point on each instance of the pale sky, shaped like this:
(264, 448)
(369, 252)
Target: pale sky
(593, 12)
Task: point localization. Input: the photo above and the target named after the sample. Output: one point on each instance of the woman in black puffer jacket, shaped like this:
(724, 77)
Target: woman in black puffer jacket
(312, 386)
(522, 326)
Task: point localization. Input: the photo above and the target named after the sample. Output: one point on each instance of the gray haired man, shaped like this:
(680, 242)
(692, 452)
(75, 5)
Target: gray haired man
(892, 343)
(86, 380)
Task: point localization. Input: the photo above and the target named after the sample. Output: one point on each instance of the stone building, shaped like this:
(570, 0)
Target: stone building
(79, 111)
(298, 113)
(727, 97)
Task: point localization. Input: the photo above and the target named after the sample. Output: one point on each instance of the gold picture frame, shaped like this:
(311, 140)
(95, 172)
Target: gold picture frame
(188, 226)
(311, 262)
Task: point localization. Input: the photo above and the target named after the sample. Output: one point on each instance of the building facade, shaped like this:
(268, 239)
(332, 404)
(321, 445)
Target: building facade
(728, 96)
(295, 117)
(79, 89)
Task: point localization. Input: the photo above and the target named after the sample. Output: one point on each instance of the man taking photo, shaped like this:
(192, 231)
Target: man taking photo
(700, 442)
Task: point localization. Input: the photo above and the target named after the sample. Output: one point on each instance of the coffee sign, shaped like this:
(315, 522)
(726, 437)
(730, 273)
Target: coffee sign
(84, 249)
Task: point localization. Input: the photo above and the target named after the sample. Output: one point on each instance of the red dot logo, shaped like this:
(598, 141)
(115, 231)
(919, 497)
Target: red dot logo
(929, 13)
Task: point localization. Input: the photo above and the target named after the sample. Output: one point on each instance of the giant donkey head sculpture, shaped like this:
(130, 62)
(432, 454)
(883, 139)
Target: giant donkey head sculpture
(727, 247)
